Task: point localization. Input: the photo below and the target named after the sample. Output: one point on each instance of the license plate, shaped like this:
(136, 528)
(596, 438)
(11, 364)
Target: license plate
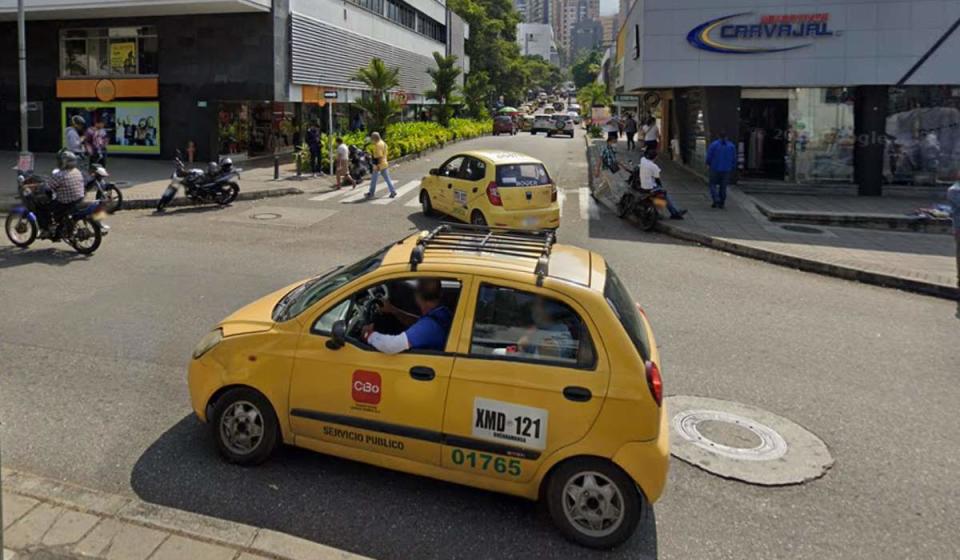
(660, 203)
(100, 216)
(530, 221)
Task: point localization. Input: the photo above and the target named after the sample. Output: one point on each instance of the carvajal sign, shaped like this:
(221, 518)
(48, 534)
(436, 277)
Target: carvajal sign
(745, 33)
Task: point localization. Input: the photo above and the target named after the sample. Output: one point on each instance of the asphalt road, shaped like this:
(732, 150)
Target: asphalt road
(92, 385)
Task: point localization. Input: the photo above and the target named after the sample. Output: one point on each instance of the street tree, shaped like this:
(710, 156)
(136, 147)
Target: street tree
(377, 103)
(586, 68)
(593, 95)
(445, 88)
(476, 92)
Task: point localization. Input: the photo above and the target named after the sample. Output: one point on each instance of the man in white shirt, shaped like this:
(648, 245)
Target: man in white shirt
(342, 167)
(650, 180)
(613, 128)
(651, 134)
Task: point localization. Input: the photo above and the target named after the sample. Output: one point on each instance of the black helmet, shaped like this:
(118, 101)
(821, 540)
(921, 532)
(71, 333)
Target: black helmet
(226, 165)
(213, 168)
(68, 160)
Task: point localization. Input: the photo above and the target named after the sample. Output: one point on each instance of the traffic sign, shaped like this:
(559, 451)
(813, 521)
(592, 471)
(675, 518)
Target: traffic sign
(327, 94)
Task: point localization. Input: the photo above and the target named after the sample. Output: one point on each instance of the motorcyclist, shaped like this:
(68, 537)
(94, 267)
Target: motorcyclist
(649, 173)
(68, 187)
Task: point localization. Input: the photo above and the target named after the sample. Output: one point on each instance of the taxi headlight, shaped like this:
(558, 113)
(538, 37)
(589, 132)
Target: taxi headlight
(211, 339)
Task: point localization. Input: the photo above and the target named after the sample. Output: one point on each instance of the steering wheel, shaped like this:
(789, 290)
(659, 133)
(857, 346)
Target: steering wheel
(367, 309)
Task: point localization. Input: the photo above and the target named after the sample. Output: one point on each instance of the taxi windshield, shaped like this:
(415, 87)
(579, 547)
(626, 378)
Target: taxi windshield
(313, 290)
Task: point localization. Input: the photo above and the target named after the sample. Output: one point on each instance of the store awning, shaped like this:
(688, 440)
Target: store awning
(58, 9)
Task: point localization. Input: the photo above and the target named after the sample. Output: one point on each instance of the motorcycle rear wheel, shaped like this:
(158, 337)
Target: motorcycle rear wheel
(647, 218)
(624, 205)
(228, 194)
(20, 230)
(85, 236)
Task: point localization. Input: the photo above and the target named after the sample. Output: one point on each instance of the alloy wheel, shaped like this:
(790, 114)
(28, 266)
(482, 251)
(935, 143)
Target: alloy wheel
(593, 504)
(241, 427)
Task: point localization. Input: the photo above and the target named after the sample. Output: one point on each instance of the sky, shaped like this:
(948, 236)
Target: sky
(609, 7)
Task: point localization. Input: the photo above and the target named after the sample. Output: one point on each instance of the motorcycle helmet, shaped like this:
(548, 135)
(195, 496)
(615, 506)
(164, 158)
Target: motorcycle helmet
(68, 160)
(213, 168)
(226, 165)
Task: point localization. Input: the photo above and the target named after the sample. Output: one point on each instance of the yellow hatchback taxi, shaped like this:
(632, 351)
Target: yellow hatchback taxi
(495, 188)
(544, 382)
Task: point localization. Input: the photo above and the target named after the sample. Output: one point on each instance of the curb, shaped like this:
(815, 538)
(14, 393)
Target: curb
(237, 536)
(800, 263)
(151, 203)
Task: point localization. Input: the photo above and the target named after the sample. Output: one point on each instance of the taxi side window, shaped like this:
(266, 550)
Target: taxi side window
(474, 170)
(452, 168)
(516, 325)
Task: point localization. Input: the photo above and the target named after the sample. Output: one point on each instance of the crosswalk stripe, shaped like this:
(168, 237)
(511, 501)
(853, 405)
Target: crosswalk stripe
(400, 192)
(413, 202)
(332, 194)
(356, 196)
(561, 198)
(588, 206)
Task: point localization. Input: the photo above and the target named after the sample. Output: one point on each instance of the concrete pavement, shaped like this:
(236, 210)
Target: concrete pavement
(93, 353)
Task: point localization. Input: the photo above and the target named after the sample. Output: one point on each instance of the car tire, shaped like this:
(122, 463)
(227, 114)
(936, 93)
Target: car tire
(425, 204)
(477, 218)
(237, 415)
(593, 502)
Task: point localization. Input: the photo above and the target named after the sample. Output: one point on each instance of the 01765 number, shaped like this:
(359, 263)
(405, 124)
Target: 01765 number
(486, 462)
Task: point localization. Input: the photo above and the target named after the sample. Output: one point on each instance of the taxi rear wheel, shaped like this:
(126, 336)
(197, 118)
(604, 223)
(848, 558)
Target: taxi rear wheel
(244, 426)
(593, 502)
(477, 218)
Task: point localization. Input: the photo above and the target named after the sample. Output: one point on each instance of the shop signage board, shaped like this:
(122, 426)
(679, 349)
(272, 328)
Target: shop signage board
(123, 57)
(753, 33)
(133, 127)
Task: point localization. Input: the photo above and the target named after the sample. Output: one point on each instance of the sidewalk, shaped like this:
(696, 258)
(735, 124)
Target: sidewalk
(919, 262)
(46, 519)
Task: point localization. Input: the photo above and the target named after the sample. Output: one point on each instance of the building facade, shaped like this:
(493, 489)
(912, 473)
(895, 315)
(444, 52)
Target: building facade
(610, 27)
(539, 11)
(587, 35)
(536, 39)
(854, 92)
(566, 14)
(223, 77)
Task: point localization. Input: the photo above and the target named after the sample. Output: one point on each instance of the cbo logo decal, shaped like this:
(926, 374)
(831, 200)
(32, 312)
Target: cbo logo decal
(366, 387)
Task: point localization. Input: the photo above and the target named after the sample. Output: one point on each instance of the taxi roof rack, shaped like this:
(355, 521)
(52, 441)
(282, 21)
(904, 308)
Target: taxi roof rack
(535, 245)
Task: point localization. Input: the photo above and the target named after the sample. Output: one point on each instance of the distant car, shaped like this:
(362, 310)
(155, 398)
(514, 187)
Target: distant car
(575, 116)
(561, 124)
(542, 122)
(504, 125)
(526, 123)
(549, 110)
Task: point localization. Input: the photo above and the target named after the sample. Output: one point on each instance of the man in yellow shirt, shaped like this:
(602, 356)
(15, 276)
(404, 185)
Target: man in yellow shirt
(380, 165)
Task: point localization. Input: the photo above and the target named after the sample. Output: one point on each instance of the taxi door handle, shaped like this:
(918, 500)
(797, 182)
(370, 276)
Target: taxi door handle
(577, 394)
(421, 373)
(450, 186)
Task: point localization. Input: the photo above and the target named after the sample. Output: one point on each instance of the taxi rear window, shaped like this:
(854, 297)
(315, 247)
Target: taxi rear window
(522, 175)
(625, 308)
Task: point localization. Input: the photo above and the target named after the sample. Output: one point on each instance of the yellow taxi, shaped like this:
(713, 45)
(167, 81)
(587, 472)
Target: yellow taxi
(492, 187)
(492, 358)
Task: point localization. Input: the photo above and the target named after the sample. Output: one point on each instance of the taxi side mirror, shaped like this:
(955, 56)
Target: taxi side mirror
(434, 171)
(338, 335)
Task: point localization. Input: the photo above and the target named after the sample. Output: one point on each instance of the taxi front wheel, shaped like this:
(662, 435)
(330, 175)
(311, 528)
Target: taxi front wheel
(594, 503)
(244, 426)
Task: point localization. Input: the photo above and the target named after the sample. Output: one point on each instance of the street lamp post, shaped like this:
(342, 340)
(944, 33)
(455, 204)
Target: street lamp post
(22, 53)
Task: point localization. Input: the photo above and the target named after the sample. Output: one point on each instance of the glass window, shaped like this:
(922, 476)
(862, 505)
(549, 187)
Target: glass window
(512, 324)
(474, 170)
(522, 175)
(923, 135)
(624, 307)
(821, 137)
(115, 51)
(452, 167)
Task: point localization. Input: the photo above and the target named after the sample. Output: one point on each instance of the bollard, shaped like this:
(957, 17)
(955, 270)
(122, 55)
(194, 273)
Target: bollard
(276, 167)
(299, 161)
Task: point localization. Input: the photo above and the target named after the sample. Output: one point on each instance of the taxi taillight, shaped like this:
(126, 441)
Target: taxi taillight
(654, 382)
(493, 194)
(553, 193)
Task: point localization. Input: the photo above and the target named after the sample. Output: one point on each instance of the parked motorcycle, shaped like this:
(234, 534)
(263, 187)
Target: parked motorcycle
(82, 228)
(644, 204)
(96, 180)
(361, 163)
(218, 184)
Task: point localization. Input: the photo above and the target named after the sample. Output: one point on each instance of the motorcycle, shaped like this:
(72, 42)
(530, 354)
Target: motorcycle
(81, 228)
(644, 204)
(218, 184)
(361, 163)
(96, 180)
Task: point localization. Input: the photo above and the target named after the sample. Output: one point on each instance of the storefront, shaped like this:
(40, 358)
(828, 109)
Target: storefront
(863, 94)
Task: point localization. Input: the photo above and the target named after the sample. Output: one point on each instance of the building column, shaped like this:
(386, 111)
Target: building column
(870, 120)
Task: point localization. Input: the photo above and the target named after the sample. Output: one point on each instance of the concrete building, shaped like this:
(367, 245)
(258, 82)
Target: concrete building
(521, 7)
(539, 11)
(536, 39)
(587, 35)
(568, 13)
(610, 27)
(238, 77)
(861, 95)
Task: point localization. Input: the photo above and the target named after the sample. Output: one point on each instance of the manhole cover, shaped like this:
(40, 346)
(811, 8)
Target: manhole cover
(266, 216)
(745, 443)
(803, 229)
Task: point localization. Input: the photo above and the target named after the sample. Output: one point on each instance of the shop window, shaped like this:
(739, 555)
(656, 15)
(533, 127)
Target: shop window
(115, 51)
(821, 135)
(923, 135)
(233, 122)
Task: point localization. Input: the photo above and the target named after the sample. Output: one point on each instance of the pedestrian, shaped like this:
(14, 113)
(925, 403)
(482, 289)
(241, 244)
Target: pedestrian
(721, 159)
(380, 165)
(953, 197)
(613, 129)
(73, 135)
(651, 135)
(96, 141)
(343, 164)
(630, 128)
(650, 180)
(313, 143)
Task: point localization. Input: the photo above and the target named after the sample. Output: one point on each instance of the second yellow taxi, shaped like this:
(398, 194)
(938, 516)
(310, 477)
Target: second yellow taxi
(495, 188)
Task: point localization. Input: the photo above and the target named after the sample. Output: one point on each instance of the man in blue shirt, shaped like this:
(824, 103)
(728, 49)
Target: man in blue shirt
(426, 332)
(953, 197)
(721, 159)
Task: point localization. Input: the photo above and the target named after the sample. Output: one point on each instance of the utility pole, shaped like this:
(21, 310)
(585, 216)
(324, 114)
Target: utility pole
(22, 50)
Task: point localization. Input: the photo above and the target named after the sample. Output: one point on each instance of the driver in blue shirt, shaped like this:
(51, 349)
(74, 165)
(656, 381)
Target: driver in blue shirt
(426, 332)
